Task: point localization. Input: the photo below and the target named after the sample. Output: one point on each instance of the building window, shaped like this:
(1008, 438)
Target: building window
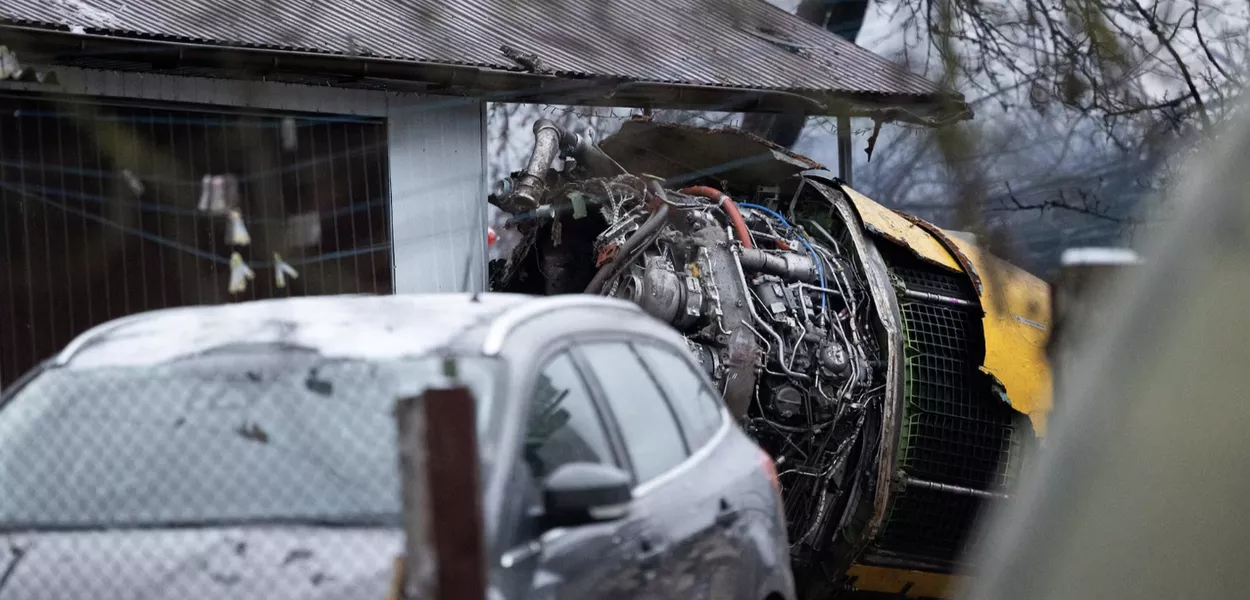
(109, 209)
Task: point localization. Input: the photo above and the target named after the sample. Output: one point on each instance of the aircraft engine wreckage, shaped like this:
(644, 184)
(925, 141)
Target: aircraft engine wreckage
(895, 371)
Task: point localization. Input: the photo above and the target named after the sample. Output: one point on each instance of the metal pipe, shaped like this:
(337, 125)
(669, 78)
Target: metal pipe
(844, 149)
(789, 265)
(730, 207)
(781, 351)
(839, 277)
(936, 298)
(636, 241)
(953, 489)
(583, 148)
(817, 288)
(533, 181)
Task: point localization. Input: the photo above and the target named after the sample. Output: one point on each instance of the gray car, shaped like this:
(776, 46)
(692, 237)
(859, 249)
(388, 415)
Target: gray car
(248, 451)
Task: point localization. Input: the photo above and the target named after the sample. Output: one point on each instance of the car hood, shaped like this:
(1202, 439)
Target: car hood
(285, 563)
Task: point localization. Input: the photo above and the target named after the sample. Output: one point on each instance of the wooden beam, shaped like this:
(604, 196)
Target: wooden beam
(445, 549)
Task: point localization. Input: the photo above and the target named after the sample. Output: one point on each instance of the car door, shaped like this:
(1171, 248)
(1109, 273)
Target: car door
(678, 517)
(739, 536)
(564, 424)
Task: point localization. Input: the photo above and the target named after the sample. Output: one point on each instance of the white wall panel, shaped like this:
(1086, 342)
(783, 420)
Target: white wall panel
(438, 198)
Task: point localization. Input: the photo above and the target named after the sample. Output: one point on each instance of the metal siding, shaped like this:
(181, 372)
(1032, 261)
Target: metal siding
(223, 92)
(724, 43)
(438, 174)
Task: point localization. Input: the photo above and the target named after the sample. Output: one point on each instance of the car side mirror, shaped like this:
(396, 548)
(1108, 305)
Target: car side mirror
(583, 493)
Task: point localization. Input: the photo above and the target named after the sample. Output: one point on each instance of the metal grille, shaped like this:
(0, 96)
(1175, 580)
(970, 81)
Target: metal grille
(929, 279)
(928, 524)
(953, 431)
(102, 213)
(942, 366)
(957, 451)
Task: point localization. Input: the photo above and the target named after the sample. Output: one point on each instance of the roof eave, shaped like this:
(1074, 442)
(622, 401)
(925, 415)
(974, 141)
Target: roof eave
(43, 45)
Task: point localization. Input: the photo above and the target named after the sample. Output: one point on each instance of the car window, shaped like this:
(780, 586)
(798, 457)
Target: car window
(563, 425)
(697, 409)
(652, 437)
(245, 436)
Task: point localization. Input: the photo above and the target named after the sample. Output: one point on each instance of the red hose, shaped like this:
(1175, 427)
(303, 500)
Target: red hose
(731, 209)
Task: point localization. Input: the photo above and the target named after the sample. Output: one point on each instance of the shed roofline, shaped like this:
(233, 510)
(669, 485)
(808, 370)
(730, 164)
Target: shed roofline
(49, 46)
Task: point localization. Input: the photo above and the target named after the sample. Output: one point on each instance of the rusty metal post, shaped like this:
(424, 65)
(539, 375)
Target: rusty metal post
(445, 555)
(845, 160)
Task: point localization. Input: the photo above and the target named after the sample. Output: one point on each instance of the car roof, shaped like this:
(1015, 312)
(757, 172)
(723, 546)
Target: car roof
(354, 327)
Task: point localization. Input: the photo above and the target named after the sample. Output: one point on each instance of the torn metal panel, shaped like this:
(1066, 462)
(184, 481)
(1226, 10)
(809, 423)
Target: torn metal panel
(887, 308)
(683, 153)
(1017, 327)
(900, 229)
(940, 236)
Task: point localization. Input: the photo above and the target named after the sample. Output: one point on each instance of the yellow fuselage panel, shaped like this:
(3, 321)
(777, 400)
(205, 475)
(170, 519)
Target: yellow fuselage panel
(1016, 305)
(890, 225)
(1017, 325)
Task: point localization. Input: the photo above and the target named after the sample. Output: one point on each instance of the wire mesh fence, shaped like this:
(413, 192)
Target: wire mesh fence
(111, 209)
(240, 473)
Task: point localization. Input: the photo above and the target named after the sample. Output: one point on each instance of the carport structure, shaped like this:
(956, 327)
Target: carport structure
(388, 104)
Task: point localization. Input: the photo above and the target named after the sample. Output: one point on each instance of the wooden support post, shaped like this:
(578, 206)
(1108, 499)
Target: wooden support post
(445, 555)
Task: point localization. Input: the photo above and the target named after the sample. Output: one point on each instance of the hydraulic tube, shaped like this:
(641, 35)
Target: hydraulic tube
(626, 252)
(735, 216)
(787, 265)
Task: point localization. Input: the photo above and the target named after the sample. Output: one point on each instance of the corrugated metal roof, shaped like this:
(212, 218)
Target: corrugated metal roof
(744, 44)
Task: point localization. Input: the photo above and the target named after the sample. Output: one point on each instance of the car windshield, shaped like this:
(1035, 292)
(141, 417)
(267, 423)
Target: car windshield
(238, 438)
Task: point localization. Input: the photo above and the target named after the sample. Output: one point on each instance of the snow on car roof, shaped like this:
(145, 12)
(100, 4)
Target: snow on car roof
(366, 327)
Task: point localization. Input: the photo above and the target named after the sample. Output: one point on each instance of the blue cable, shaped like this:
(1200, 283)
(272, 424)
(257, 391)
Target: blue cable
(820, 270)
